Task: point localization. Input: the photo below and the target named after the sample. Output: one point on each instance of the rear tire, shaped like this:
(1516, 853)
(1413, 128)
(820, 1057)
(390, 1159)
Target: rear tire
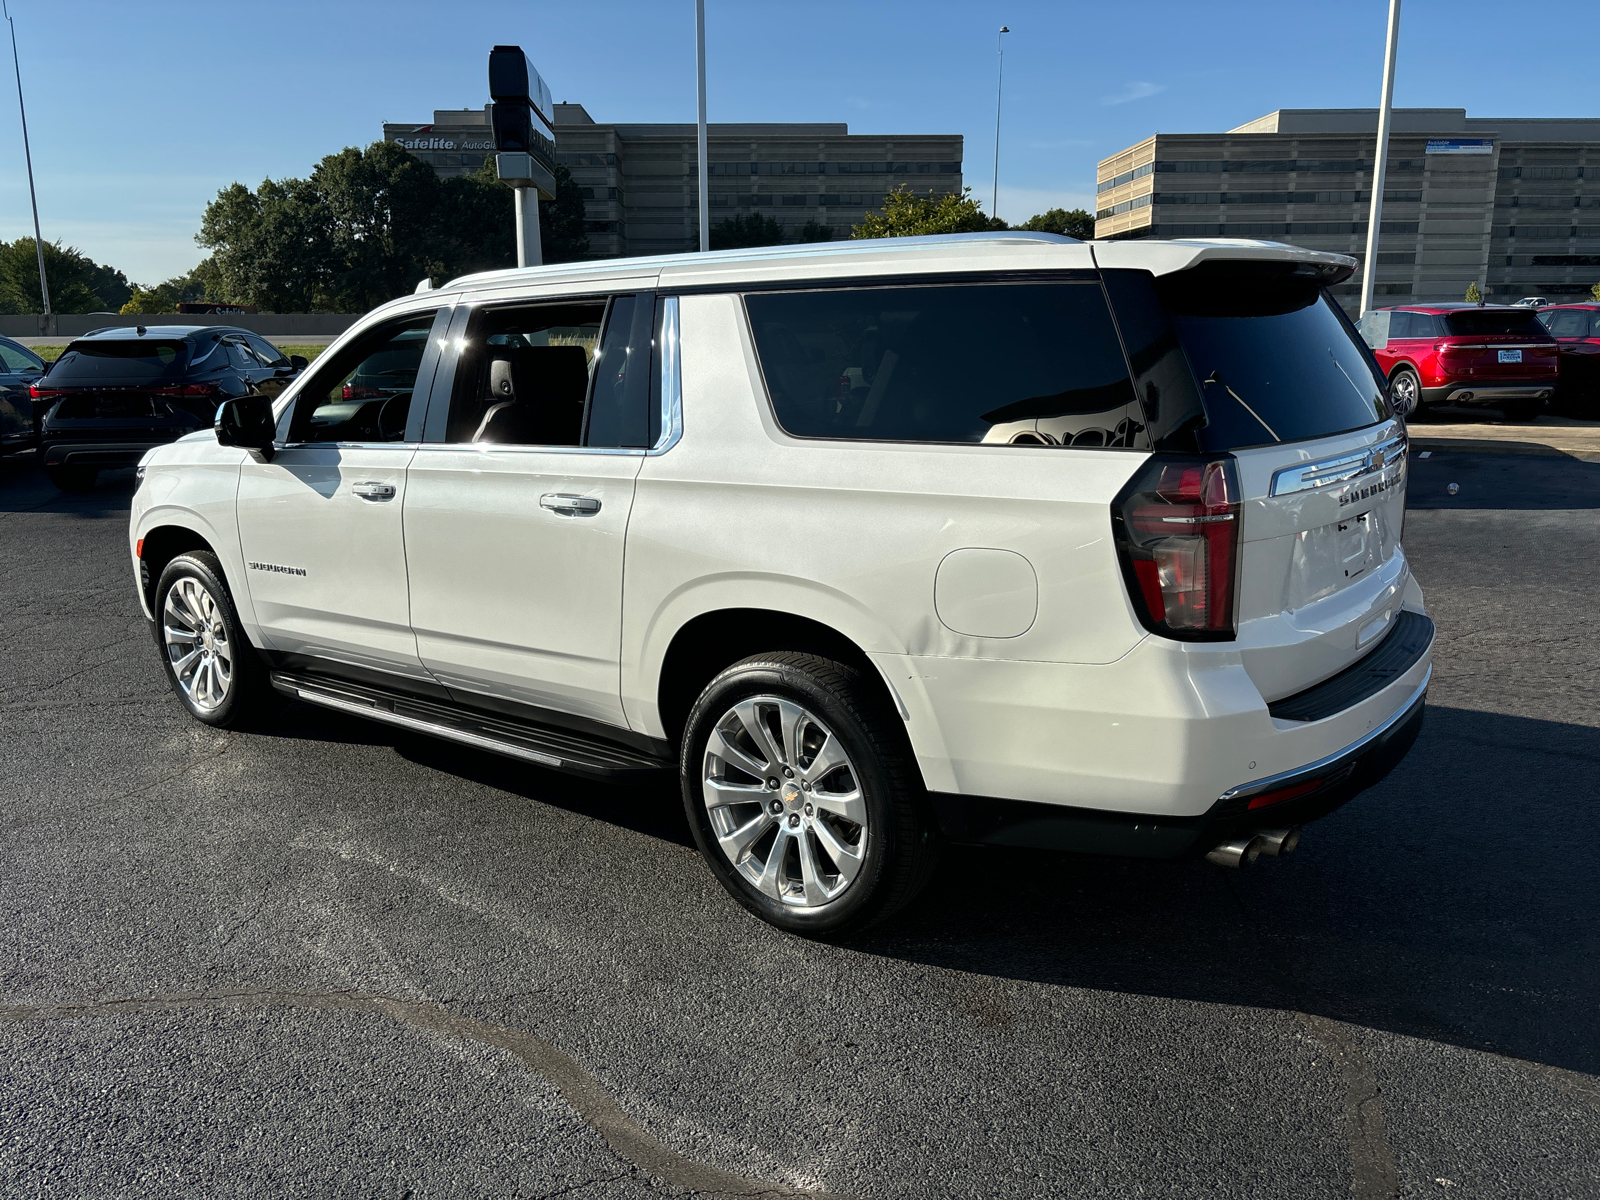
(824, 828)
(72, 479)
(210, 663)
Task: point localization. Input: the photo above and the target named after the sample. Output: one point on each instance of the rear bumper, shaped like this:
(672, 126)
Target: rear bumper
(1490, 394)
(1313, 791)
(102, 455)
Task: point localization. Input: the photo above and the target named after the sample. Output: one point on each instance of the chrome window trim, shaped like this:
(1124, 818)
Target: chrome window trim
(671, 380)
(1341, 468)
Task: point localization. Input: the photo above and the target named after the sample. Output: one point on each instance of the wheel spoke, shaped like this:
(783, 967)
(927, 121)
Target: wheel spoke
(792, 720)
(737, 843)
(186, 594)
(749, 714)
(846, 857)
(829, 759)
(724, 749)
(719, 793)
(816, 891)
(849, 805)
(181, 666)
(173, 634)
(772, 881)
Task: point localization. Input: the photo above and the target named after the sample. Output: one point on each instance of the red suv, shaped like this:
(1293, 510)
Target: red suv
(1478, 354)
(1576, 328)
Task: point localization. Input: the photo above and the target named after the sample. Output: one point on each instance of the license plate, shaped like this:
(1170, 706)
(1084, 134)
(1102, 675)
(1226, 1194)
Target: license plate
(1511, 356)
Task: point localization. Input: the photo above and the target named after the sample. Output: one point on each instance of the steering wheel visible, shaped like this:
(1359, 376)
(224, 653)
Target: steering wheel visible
(392, 417)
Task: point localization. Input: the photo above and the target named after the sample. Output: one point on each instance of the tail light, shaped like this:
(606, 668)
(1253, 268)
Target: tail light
(350, 392)
(1177, 532)
(44, 393)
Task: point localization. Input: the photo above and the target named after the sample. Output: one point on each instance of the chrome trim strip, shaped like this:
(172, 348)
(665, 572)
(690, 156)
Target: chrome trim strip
(428, 727)
(671, 380)
(498, 448)
(1304, 477)
(1405, 710)
(1502, 393)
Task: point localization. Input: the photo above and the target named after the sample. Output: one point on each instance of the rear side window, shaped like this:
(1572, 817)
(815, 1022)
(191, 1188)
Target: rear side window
(1025, 363)
(1486, 322)
(1270, 355)
(121, 362)
(16, 358)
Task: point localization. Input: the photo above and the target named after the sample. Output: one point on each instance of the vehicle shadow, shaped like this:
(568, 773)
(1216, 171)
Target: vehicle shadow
(1501, 481)
(24, 488)
(1454, 902)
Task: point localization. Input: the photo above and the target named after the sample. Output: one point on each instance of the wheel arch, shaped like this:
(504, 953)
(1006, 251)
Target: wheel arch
(158, 546)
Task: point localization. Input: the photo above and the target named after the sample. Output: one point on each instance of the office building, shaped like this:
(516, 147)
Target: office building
(640, 181)
(1511, 204)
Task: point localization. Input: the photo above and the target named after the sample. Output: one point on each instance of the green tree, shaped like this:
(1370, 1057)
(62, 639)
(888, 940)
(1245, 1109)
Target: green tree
(1473, 296)
(746, 229)
(906, 214)
(1594, 293)
(78, 284)
(165, 297)
(561, 222)
(815, 231)
(1074, 223)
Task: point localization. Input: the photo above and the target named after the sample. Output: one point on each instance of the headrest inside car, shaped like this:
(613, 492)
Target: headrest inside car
(500, 385)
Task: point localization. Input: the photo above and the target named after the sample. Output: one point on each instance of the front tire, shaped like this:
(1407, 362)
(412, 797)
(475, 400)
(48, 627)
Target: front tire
(800, 790)
(1405, 393)
(209, 661)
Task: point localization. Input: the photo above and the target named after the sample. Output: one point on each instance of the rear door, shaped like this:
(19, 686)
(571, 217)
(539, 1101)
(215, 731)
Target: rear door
(320, 523)
(1279, 379)
(519, 500)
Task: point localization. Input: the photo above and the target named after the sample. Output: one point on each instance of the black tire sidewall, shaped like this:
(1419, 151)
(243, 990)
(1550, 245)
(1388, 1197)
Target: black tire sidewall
(247, 682)
(848, 719)
(1416, 406)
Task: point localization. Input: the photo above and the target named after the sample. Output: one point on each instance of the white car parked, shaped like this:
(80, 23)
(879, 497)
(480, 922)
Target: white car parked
(992, 539)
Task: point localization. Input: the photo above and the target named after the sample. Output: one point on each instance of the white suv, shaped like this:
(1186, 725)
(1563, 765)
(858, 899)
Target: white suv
(993, 539)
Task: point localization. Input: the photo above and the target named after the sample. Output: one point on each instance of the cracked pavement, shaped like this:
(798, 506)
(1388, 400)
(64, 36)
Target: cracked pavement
(329, 959)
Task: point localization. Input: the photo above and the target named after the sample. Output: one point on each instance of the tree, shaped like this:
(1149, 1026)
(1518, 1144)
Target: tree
(1473, 296)
(906, 214)
(165, 297)
(815, 231)
(1075, 223)
(746, 229)
(1594, 293)
(78, 284)
(561, 222)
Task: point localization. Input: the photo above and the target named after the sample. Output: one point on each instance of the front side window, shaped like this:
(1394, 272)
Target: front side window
(269, 354)
(1568, 323)
(18, 358)
(363, 393)
(1024, 363)
(523, 377)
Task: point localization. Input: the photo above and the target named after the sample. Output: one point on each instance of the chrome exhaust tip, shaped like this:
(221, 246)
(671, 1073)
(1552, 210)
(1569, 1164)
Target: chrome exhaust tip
(1240, 852)
(1278, 842)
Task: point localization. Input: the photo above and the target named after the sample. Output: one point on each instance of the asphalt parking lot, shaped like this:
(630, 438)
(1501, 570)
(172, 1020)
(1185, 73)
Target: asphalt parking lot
(327, 959)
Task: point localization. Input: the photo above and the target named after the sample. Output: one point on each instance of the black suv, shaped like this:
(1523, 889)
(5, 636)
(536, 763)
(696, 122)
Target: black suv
(115, 393)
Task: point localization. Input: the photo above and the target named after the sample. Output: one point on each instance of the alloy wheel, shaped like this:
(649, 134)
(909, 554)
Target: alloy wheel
(197, 645)
(1403, 393)
(785, 802)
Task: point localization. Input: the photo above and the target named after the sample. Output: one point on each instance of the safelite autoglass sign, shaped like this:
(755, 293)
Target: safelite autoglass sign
(1460, 145)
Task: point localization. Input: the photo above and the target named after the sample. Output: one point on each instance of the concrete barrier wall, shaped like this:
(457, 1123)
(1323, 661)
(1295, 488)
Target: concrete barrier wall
(281, 325)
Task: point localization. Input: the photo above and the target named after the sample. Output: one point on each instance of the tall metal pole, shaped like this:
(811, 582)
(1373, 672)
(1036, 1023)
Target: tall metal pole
(1380, 164)
(705, 170)
(1000, 80)
(530, 251)
(38, 242)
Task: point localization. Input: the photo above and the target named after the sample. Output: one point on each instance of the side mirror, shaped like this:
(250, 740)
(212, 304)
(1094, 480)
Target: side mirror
(298, 362)
(247, 422)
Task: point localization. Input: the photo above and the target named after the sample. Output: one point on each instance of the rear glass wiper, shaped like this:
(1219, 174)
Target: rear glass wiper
(1216, 378)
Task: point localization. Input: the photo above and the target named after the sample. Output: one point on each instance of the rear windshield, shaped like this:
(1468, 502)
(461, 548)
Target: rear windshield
(121, 362)
(1488, 321)
(1025, 363)
(1270, 357)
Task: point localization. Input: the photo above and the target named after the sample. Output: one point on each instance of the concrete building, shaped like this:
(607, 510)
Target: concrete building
(1512, 204)
(639, 181)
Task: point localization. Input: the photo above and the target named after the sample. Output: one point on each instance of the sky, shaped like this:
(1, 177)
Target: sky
(140, 113)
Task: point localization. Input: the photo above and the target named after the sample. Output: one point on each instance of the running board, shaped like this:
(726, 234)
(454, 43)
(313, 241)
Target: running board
(558, 749)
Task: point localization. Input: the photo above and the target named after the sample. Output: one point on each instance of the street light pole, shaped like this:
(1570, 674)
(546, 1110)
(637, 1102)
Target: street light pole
(1000, 79)
(705, 171)
(38, 242)
(1380, 162)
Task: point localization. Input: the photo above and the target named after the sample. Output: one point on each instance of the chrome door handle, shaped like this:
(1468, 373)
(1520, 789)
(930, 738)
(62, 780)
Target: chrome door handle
(374, 491)
(570, 505)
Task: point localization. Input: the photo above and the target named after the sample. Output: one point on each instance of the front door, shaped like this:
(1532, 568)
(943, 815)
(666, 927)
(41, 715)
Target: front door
(517, 506)
(320, 523)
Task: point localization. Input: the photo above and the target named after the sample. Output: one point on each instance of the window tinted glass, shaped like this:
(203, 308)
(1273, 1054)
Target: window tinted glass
(1035, 363)
(269, 354)
(18, 358)
(1276, 359)
(617, 410)
(523, 378)
(1488, 321)
(1568, 323)
(363, 393)
(124, 361)
(240, 356)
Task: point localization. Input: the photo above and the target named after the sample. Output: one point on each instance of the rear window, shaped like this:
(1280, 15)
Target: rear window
(1485, 322)
(124, 361)
(1270, 356)
(1023, 363)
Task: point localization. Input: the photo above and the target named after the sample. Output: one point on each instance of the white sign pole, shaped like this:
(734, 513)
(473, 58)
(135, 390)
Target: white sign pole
(530, 253)
(705, 170)
(1380, 165)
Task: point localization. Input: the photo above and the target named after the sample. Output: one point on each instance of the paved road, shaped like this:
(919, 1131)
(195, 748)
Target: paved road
(329, 960)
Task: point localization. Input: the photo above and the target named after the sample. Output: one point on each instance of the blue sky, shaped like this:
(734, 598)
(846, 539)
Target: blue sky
(140, 113)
